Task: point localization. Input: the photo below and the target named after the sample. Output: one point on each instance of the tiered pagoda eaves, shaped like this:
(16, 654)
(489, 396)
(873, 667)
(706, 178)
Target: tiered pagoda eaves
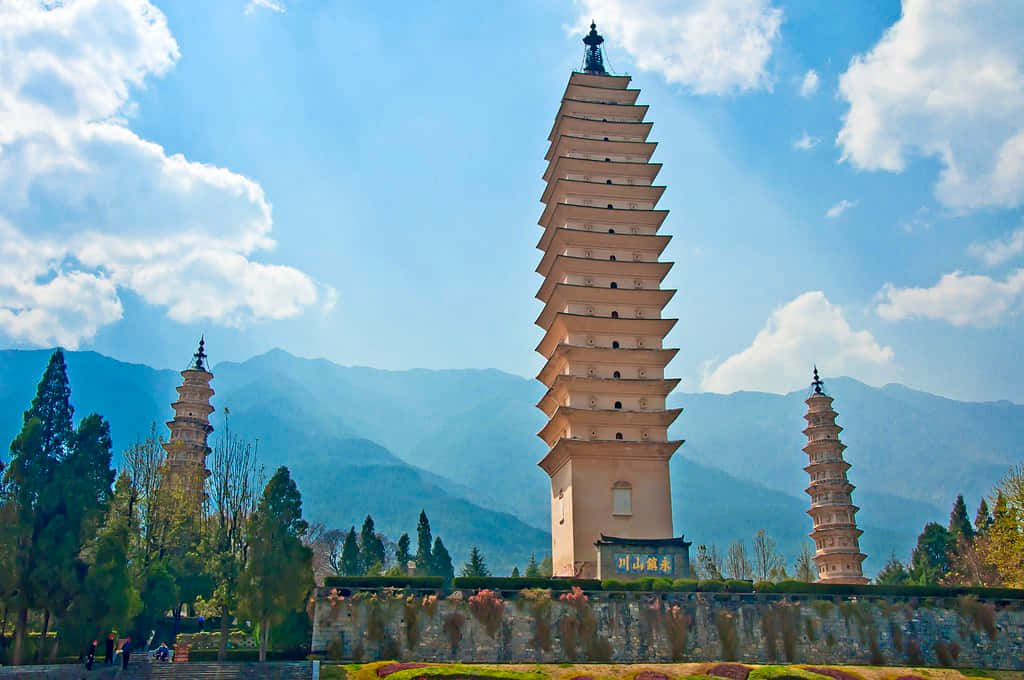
(602, 319)
(836, 536)
(187, 446)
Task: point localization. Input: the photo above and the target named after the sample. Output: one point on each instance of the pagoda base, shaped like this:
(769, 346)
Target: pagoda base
(627, 559)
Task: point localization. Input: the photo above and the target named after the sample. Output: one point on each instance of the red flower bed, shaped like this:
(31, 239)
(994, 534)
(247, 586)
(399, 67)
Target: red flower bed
(582, 677)
(650, 675)
(734, 671)
(384, 671)
(833, 673)
(910, 677)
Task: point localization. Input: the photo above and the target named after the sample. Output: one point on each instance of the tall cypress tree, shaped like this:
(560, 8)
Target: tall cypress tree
(982, 518)
(959, 524)
(402, 554)
(424, 560)
(532, 568)
(371, 548)
(350, 554)
(441, 561)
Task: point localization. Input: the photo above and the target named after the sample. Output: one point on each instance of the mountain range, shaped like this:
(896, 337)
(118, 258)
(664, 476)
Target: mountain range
(461, 444)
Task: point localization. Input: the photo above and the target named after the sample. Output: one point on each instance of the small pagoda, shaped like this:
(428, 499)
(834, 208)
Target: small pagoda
(836, 536)
(187, 446)
(607, 431)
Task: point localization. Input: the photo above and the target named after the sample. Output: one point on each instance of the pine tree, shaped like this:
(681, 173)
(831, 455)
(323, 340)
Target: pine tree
(402, 555)
(929, 562)
(441, 561)
(546, 567)
(476, 565)
(893, 573)
(424, 559)
(372, 556)
(350, 555)
(279, 572)
(982, 519)
(52, 406)
(532, 568)
(959, 524)
(515, 572)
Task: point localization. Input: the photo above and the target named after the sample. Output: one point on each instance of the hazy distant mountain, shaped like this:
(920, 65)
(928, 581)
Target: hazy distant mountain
(462, 444)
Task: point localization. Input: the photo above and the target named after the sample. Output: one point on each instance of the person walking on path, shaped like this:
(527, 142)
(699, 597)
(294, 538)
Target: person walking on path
(126, 651)
(108, 650)
(90, 656)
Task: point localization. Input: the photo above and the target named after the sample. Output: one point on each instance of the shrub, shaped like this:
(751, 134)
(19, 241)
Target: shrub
(739, 586)
(890, 589)
(783, 673)
(942, 652)
(539, 603)
(677, 629)
(913, 652)
(612, 584)
(463, 671)
(982, 615)
(710, 586)
(684, 585)
(411, 615)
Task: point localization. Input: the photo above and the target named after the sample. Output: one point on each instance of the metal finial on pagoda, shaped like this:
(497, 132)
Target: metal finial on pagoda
(817, 383)
(594, 59)
(199, 358)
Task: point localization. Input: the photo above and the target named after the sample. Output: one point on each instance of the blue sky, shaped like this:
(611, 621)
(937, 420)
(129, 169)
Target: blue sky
(360, 182)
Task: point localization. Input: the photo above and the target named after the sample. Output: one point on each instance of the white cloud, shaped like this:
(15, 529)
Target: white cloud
(946, 81)
(839, 208)
(959, 299)
(1002, 250)
(88, 208)
(806, 142)
(810, 83)
(709, 46)
(804, 331)
(272, 5)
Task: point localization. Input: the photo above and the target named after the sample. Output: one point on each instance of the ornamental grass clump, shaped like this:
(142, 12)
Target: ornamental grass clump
(728, 635)
(982, 615)
(677, 628)
(488, 608)
(538, 602)
(452, 627)
(410, 617)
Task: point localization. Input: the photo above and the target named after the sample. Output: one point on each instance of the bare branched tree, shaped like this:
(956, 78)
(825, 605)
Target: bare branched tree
(767, 559)
(737, 564)
(232, 493)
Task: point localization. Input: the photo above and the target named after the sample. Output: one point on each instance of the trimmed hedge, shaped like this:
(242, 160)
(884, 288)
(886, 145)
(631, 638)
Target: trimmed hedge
(519, 583)
(426, 582)
(198, 655)
(801, 588)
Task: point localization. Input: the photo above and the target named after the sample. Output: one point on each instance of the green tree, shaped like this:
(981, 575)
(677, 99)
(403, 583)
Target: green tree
(532, 568)
(55, 493)
(108, 599)
(372, 557)
(547, 569)
(982, 518)
(350, 554)
(929, 563)
(476, 566)
(402, 554)
(959, 524)
(803, 568)
(441, 561)
(279, 572)
(1003, 547)
(424, 559)
(893, 573)
(515, 572)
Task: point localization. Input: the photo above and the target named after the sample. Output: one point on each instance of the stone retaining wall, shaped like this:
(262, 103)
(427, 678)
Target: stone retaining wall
(662, 627)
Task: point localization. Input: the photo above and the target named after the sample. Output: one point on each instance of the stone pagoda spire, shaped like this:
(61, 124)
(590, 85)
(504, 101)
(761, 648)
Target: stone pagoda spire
(607, 432)
(837, 548)
(187, 448)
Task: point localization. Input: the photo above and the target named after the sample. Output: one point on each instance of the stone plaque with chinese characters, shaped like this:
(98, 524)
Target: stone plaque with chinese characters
(644, 564)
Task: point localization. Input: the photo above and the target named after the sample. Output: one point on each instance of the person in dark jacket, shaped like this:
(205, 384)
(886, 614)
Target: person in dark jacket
(126, 651)
(108, 650)
(90, 656)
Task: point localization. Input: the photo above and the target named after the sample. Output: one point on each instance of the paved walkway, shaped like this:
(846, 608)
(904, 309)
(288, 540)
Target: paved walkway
(275, 670)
